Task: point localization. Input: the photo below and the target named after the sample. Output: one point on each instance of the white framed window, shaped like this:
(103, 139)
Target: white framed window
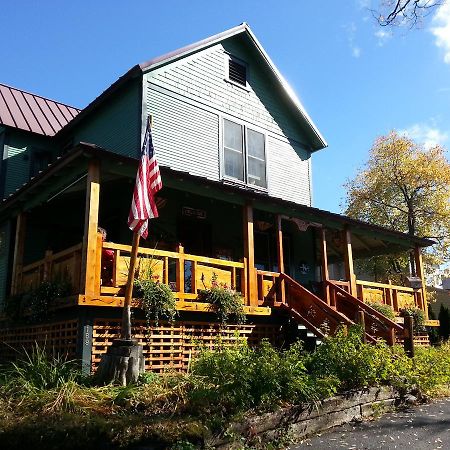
(244, 154)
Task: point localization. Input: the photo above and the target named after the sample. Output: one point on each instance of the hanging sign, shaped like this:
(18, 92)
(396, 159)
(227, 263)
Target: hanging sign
(193, 212)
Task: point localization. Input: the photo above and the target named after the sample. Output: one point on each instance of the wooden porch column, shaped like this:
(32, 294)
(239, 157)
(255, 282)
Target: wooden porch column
(420, 274)
(89, 263)
(19, 246)
(348, 261)
(280, 256)
(249, 252)
(325, 276)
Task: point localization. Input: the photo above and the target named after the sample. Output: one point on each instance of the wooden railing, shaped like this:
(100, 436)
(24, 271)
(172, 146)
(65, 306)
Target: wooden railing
(64, 265)
(310, 310)
(268, 287)
(186, 274)
(376, 324)
(397, 297)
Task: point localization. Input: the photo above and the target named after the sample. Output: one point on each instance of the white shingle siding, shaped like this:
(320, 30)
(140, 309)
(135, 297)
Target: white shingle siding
(188, 100)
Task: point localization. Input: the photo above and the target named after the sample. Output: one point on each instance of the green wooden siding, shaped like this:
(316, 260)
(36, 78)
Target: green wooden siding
(116, 125)
(5, 232)
(189, 99)
(18, 147)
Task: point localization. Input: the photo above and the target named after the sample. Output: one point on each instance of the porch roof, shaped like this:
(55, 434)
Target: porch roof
(71, 167)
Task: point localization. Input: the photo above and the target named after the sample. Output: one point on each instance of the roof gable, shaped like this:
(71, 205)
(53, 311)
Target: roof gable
(317, 140)
(30, 112)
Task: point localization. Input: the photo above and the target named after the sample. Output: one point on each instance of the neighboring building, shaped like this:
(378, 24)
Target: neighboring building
(235, 146)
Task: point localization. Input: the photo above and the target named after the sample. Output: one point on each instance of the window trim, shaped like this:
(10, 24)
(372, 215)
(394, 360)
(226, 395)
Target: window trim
(245, 126)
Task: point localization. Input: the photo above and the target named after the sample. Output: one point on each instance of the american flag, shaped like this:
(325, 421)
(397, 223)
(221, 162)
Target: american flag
(148, 183)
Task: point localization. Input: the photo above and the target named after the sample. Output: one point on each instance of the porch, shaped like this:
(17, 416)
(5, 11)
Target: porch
(276, 254)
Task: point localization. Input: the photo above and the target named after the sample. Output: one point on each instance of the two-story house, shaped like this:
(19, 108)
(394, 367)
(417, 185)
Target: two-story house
(234, 145)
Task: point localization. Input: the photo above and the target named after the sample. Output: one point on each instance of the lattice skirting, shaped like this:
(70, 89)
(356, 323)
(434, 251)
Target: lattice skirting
(171, 347)
(420, 340)
(58, 338)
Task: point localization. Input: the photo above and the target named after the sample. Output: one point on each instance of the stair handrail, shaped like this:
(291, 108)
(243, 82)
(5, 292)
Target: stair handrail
(328, 310)
(381, 318)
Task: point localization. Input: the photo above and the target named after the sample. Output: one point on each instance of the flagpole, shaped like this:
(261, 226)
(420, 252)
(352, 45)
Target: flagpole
(126, 314)
(124, 361)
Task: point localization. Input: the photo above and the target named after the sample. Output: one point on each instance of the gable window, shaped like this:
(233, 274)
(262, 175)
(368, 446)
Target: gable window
(244, 154)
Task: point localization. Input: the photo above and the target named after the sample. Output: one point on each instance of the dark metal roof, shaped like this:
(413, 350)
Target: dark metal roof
(91, 150)
(30, 112)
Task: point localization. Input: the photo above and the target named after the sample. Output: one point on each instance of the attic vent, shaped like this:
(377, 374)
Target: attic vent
(237, 72)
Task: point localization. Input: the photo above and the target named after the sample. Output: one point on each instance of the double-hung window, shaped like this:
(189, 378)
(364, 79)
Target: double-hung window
(244, 154)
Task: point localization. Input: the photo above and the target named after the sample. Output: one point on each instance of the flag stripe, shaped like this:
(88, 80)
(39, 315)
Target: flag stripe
(148, 183)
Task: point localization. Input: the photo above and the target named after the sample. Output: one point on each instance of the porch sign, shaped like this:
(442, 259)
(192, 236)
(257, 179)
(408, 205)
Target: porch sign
(143, 207)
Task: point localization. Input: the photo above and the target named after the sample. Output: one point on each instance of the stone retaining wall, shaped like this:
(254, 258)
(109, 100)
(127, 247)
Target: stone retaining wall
(297, 422)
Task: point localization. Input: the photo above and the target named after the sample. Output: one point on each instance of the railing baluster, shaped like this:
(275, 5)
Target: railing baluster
(260, 286)
(166, 270)
(244, 282)
(194, 277)
(180, 272)
(115, 267)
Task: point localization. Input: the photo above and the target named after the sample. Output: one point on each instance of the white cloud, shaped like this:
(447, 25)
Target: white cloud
(364, 3)
(351, 33)
(428, 135)
(383, 36)
(356, 52)
(441, 30)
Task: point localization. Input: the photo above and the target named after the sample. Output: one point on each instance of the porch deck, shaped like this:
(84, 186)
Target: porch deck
(187, 274)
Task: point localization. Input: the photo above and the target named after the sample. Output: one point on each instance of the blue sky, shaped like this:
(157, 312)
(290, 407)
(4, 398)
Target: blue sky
(356, 80)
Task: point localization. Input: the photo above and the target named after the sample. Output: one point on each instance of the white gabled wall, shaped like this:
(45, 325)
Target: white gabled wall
(188, 100)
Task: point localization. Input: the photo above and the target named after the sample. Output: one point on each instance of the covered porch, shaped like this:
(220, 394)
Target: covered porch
(267, 249)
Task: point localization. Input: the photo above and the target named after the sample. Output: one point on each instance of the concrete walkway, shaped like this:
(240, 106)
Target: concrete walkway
(418, 428)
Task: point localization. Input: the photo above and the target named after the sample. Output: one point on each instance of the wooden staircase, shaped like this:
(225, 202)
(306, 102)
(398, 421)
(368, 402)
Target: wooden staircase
(321, 318)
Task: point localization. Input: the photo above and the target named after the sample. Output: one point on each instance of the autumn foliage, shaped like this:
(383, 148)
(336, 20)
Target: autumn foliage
(405, 187)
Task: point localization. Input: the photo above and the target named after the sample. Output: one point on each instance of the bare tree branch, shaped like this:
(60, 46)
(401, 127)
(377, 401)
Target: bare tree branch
(404, 12)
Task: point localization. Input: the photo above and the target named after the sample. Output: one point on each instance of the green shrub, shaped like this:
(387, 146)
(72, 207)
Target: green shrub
(430, 371)
(384, 309)
(239, 377)
(225, 301)
(418, 317)
(158, 301)
(355, 364)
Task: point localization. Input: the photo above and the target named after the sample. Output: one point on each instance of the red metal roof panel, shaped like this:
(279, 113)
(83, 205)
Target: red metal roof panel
(14, 109)
(26, 111)
(40, 116)
(57, 113)
(5, 116)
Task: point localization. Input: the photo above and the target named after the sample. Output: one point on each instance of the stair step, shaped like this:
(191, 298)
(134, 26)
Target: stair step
(309, 334)
(301, 327)
(319, 342)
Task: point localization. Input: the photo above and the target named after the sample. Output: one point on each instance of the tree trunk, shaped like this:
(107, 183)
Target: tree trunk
(121, 364)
